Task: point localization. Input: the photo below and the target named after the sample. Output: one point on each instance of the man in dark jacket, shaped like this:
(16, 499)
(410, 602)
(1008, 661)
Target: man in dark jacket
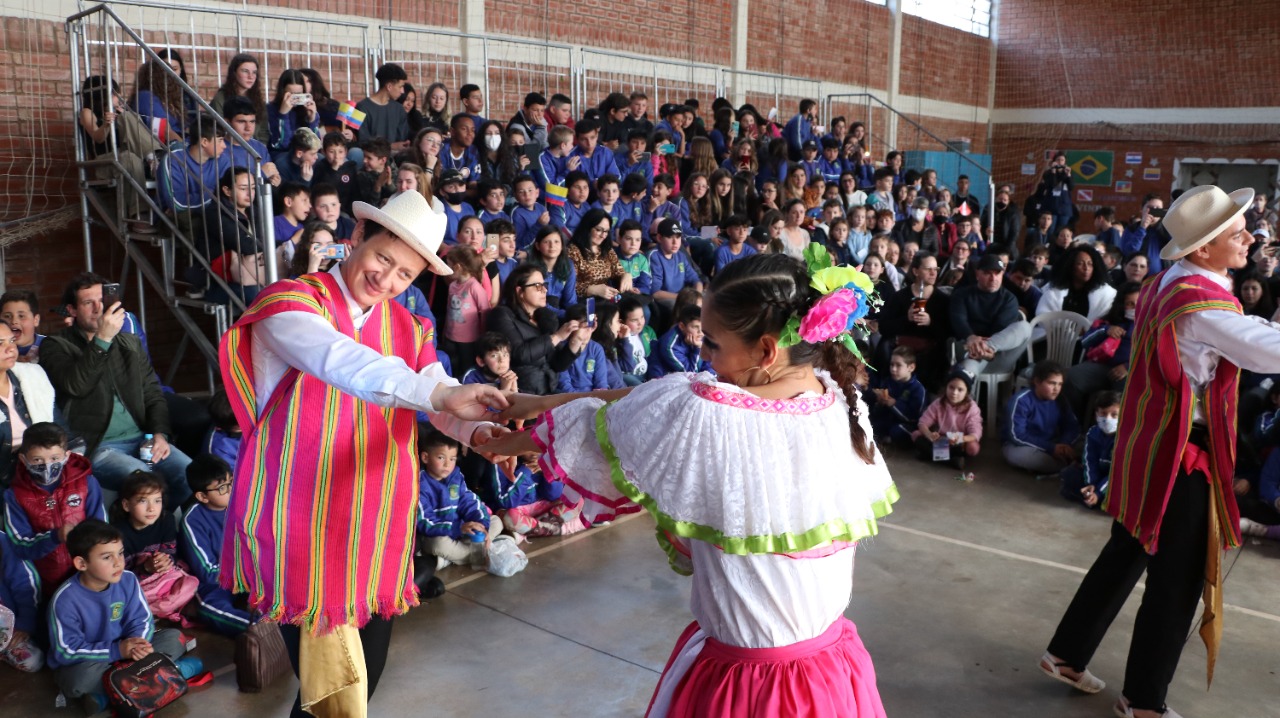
(108, 391)
(986, 323)
(1008, 220)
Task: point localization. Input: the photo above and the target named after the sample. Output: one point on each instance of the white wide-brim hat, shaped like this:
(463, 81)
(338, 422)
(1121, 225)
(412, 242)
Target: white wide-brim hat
(1199, 215)
(409, 217)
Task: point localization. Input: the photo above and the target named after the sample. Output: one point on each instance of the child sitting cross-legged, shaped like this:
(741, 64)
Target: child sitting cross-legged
(679, 350)
(1087, 481)
(99, 616)
(899, 400)
(20, 594)
(151, 544)
(493, 363)
(200, 541)
(448, 512)
(954, 416)
(1041, 430)
(52, 492)
(530, 505)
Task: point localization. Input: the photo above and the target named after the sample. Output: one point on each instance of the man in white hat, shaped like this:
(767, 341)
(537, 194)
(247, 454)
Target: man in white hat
(325, 374)
(1174, 461)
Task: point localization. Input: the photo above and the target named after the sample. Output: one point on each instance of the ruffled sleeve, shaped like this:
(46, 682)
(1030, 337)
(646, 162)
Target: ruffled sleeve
(571, 453)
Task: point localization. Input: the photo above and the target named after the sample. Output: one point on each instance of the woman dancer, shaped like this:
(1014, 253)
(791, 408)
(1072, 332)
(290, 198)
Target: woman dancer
(767, 529)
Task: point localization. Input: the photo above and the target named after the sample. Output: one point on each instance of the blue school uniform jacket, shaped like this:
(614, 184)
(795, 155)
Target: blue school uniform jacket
(662, 211)
(223, 445)
(526, 222)
(644, 168)
(87, 625)
(671, 275)
(1098, 447)
(561, 293)
(200, 544)
(725, 256)
(282, 125)
(830, 171)
(637, 265)
(550, 171)
(443, 506)
(798, 131)
(505, 267)
(567, 216)
(183, 183)
(599, 164)
(486, 216)
(500, 492)
(672, 354)
(1039, 423)
(454, 216)
(589, 372)
(910, 399)
(470, 161)
(477, 375)
(19, 588)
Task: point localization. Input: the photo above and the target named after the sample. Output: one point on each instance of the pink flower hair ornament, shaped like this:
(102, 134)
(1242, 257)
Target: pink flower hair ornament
(848, 296)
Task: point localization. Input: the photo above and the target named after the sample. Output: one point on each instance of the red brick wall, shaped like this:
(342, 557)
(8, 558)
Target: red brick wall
(943, 63)
(842, 41)
(1131, 53)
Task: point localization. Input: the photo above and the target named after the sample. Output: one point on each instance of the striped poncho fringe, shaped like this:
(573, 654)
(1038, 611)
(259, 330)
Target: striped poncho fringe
(320, 526)
(1156, 414)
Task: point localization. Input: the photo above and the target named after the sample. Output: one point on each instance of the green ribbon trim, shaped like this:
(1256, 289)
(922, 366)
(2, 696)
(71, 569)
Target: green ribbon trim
(820, 535)
(676, 560)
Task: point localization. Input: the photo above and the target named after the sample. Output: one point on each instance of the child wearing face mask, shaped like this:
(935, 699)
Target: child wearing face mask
(52, 491)
(1087, 481)
(150, 538)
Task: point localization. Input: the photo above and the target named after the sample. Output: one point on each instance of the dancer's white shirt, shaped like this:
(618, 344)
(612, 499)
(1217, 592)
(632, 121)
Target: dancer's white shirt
(310, 344)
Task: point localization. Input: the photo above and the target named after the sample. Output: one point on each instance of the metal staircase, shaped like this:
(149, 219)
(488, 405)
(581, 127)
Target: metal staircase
(171, 252)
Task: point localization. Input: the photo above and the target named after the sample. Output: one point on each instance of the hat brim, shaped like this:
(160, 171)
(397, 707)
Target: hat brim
(1174, 251)
(364, 210)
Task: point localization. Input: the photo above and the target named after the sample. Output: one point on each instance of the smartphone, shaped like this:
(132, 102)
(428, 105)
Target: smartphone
(301, 98)
(532, 151)
(110, 294)
(490, 242)
(666, 148)
(646, 158)
(336, 251)
(734, 128)
(591, 312)
(1156, 212)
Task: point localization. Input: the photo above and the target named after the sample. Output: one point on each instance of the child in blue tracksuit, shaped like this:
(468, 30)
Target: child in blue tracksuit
(569, 215)
(223, 440)
(1041, 429)
(448, 512)
(590, 369)
(99, 616)
(493, 363)
(528, 215)
(530, 505)
(630, 236)
(1087, 481)
(899, 400)
(200, 543)
(20, 593)
(678, 350)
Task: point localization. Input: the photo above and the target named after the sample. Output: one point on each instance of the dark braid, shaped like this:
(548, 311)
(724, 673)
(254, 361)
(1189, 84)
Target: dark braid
(757, 295)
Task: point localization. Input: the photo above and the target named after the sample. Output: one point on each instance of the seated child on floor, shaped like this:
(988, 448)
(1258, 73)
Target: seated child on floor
(954, 416)
(224, 437)
(200, 541)
(898, 400)
(20, 595)
(1260, 504)
(679, 350)
(150, 538)
(493, 363)
(52, 491)
(530, 505)
(1041, 430)
(98, 616)
(448, 512)
(1087, 481)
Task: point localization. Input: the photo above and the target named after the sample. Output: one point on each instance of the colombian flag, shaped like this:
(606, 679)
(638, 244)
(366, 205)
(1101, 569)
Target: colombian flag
(350, 116)
(556, 195)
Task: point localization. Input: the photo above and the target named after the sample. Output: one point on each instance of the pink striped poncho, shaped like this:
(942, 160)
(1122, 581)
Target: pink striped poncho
(319, 531)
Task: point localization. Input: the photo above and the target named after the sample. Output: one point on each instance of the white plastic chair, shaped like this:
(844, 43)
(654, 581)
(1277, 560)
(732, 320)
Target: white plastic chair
(1062, 332)
(988, 383)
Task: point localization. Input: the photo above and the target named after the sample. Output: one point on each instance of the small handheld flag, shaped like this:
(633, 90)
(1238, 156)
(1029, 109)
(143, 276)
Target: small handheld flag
(350, 116)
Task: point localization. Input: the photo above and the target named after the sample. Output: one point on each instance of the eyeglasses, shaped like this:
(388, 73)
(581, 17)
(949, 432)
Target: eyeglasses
(600, 230)
(221, 489)
(535, 285)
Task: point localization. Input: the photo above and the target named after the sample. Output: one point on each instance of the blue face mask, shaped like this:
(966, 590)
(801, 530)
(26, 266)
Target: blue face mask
(46, 474)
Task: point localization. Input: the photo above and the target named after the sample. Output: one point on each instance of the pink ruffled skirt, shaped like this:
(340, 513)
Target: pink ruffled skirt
(830, 675)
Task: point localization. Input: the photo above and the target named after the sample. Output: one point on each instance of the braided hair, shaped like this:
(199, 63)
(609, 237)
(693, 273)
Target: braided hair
(758, 295)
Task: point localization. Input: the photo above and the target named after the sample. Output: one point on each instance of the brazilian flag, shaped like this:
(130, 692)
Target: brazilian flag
(1091, 168)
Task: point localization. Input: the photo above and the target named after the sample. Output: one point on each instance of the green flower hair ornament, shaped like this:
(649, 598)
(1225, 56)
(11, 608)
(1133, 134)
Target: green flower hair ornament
(848, 296)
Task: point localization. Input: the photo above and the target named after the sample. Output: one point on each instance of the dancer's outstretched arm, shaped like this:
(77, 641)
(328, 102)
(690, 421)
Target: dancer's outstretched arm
(528, 406)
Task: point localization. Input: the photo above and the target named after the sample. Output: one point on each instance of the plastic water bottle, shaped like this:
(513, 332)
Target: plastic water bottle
(479, 555)
(146, 450)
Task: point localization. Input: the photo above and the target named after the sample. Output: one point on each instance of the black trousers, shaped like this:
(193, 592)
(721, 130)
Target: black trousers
(1175, 580)
(375, 639)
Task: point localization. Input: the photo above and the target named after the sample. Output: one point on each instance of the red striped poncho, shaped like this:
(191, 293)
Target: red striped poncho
(1156, 414)
(319, 531)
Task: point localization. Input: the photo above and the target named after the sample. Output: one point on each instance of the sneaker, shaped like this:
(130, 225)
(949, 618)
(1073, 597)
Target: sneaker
(93, 703)
(442, 562)
(1122, 709)
(1252, 528)
(189, 666)
(434, 588)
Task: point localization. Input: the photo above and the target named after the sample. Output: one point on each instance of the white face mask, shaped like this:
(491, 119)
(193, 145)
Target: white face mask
(918, 214)
(492, 142)
(1108, 424)
(1130, 314)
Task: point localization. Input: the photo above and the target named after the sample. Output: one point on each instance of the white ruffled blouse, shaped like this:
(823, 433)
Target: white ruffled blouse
(761, 500)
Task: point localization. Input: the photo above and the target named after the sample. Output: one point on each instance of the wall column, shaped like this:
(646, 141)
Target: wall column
(738, 50)
(895, 69)
(471, 21)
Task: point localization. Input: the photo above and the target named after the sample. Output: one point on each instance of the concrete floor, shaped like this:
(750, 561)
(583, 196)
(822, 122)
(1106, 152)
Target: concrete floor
(955, 600)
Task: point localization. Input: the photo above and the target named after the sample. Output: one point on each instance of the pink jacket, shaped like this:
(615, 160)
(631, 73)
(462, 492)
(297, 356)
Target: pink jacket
(949, 418)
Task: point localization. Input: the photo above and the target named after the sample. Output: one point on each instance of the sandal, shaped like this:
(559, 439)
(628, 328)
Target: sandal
(1122, 709)
(1087, 682)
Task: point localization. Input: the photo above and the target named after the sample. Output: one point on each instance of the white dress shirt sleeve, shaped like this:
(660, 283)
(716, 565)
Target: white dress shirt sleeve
(310, 344)
(1251, 343)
